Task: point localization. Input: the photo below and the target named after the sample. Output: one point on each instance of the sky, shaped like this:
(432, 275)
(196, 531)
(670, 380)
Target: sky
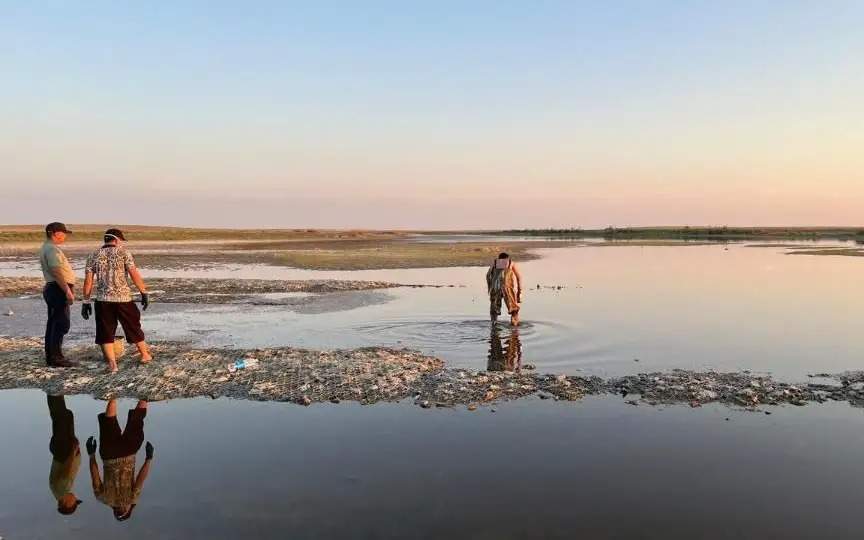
(432, 115)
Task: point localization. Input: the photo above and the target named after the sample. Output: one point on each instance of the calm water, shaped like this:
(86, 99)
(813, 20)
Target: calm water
(597, 469)
(694, 307)
(533, 469)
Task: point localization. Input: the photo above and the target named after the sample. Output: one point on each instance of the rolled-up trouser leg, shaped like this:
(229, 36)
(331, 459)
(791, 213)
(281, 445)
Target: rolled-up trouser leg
(495, 304)
(512, 302)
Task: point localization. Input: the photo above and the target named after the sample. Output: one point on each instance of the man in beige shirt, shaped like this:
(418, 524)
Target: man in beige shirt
(58, 292)
(65, 455)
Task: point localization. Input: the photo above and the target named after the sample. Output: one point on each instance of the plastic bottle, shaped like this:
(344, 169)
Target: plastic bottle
(243, 363)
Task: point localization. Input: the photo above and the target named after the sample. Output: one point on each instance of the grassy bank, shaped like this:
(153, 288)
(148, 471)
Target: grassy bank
(93, 233)
(401, 255)
(174, 247)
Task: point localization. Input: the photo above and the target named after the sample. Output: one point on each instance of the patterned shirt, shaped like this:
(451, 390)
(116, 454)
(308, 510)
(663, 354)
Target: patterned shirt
(110, 265)
(118, 488)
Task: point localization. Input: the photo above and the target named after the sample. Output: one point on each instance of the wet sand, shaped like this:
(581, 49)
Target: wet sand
(217, 291)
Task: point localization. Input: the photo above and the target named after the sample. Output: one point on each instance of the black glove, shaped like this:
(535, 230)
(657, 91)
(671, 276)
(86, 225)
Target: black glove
(86, 310)
(148, 450)
(91, 446)
(145, 301)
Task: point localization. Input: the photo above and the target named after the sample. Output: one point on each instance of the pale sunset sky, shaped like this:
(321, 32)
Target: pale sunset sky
(443, 115)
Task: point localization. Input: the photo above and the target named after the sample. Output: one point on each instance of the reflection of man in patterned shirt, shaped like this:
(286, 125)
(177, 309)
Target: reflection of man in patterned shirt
(108, 267)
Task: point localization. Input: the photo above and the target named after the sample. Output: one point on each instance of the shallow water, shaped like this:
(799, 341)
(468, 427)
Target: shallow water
(597, 468)
(620, 310)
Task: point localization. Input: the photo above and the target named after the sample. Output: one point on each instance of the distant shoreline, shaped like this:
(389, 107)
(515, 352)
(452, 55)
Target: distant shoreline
(90, 232)
(335, 249)
(700, 233)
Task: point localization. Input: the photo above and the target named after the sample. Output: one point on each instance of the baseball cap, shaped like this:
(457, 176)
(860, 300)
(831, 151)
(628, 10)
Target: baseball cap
(56, 226)
(116, 233)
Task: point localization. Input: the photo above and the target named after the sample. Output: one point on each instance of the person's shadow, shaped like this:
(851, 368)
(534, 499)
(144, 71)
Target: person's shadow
(120, 488)
(504, 357)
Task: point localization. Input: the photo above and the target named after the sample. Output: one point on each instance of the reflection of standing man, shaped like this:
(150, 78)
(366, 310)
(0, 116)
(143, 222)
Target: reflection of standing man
(502, 358)
(58, 292)
(65, 455)
(120, 488)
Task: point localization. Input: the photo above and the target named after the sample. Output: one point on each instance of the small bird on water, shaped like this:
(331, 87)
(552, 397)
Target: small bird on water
(9, 313)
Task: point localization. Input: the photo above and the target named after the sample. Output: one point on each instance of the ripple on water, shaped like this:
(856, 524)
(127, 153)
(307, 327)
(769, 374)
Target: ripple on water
(467, 342)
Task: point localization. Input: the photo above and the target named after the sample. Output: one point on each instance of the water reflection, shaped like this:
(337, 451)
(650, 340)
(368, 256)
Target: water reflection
(119, 488)
(65, 455)
(504, 357)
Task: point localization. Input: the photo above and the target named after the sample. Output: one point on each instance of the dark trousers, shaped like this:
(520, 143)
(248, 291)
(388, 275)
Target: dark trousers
(63, 440)
(58, 321)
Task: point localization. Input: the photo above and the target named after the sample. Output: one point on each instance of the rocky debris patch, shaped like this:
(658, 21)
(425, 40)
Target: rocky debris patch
(365, 375)
(681, 386)
(849, 387)
(216, 291)
(371, 375)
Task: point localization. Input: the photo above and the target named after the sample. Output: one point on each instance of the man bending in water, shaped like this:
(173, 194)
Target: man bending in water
(504, 282)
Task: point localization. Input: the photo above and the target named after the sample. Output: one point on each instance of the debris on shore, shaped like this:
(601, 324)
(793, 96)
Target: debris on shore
(375, 374)
(216, 291)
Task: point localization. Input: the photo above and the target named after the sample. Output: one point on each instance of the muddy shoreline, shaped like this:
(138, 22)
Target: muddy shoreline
(217, 291)
(379, 374)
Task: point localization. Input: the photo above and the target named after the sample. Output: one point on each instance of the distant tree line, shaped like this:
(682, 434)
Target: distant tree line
(704, 233)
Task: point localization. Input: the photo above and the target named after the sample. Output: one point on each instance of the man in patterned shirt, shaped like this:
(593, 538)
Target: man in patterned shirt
(120, 487)
(108, 267)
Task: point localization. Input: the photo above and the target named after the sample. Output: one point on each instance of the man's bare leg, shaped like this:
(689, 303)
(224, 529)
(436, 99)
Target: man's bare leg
(111, 408)
(144, 350)
(514, 318)
(108, 354)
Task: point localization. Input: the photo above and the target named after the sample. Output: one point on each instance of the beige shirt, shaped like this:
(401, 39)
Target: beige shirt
(51, 257)
(62, 477)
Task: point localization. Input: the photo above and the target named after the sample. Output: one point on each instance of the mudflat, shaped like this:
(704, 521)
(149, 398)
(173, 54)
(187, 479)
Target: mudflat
(169, 247)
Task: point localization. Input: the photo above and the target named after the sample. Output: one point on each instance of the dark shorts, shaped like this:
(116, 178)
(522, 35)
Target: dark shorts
(115, 444)
(108, 314)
